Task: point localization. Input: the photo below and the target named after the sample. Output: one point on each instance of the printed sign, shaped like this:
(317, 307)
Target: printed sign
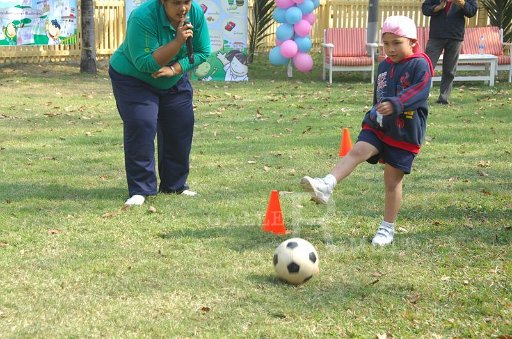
(227, 23)
(37, 22)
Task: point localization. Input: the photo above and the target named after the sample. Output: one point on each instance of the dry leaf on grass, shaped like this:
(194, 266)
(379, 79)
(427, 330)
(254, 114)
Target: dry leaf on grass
(414, 298)
(484, 163)
(307, 129)
(110, 214)
(486, 192)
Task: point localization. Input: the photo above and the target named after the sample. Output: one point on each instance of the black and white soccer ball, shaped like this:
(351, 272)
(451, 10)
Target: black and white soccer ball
(296, 261)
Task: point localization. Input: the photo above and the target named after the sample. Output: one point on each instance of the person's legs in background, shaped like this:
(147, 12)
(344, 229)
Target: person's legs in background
(434, 49)
(450, 58)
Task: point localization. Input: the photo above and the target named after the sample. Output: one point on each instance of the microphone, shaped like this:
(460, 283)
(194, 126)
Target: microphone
(190, 50)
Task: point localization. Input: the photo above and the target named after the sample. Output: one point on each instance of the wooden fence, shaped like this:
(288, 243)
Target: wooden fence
(110, 25)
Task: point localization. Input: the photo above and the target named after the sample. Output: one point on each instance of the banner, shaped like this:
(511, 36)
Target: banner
(37, 22)
(227, 23)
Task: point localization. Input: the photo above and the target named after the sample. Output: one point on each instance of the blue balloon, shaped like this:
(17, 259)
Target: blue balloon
(316, 3)
(303, 43)
(293, 15)
(306, 7)
(279, 15)
(284, 32)
(276, 58)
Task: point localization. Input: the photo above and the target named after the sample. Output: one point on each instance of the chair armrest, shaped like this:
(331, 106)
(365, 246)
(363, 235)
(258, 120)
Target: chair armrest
(327, 45)
(372, 44)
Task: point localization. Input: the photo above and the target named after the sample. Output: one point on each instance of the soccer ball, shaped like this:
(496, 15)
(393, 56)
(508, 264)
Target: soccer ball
(296, 261)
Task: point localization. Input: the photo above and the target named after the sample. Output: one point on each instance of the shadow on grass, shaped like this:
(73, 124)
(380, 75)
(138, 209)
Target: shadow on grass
(21, 191)
(337, 296)
(249, 237)
(238, 238)
(455, 237)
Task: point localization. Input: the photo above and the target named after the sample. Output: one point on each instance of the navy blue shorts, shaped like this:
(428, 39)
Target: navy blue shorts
(396, 157)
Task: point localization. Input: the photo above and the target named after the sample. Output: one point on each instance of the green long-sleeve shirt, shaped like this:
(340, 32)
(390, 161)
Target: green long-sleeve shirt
(147, 29)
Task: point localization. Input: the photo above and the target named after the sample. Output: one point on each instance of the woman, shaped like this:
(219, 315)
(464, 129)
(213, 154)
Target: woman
(154, 95)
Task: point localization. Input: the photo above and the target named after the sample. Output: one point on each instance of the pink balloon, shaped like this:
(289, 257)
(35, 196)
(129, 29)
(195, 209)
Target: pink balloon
(278, 42)
(310, 17)
(284, 3)
(302, 28)
(298, 1)
(289, 48)
(303, 62)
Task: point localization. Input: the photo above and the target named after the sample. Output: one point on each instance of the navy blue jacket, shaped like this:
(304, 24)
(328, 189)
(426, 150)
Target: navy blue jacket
(448, 24)
(406, 85)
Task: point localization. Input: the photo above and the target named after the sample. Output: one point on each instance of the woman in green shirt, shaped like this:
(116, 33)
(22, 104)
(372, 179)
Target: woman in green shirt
(154, 95)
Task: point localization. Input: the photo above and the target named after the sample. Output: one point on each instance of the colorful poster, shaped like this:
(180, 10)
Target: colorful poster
(37, 22)
(227, 22)
(130, 5)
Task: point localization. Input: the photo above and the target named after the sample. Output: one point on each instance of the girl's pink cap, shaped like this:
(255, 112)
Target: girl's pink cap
(400, 25)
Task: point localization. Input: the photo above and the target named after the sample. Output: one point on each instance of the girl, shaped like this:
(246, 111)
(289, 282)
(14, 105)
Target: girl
(393, 130)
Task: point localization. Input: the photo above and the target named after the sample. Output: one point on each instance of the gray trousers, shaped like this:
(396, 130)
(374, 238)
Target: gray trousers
(451, 48)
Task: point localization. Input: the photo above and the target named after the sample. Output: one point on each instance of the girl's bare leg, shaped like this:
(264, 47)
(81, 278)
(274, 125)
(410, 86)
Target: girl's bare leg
(321, 188)
(393, 192)
(361, 152)
(393, 178)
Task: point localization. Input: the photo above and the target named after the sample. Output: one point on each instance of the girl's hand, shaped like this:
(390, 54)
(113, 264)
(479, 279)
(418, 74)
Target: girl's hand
(165, 71)
(385, 108)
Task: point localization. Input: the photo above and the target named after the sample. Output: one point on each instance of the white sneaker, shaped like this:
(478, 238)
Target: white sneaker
(135, 200)
(384, 235)
(319, 189)
(189, 193)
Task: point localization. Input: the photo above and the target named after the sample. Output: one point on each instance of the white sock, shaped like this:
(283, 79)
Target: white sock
(330, 180)
(387, 224)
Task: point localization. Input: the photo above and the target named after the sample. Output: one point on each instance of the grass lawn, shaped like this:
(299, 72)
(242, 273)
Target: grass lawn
(75, 263)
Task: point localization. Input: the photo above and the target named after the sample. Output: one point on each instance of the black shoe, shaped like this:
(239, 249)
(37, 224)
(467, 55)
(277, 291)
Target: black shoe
(442, 102)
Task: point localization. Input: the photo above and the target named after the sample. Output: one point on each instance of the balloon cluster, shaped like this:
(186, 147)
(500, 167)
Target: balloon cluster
(293, 36)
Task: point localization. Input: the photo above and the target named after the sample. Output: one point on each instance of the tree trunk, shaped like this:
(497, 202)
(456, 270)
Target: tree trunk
(88, 57)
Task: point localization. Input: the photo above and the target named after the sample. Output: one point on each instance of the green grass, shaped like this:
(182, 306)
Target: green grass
(74, 263)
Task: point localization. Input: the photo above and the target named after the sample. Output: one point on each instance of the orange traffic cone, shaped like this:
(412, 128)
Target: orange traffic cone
(346, 143)
(274, 219)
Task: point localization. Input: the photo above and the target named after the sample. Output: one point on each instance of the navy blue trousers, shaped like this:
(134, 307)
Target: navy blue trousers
(148, 112)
